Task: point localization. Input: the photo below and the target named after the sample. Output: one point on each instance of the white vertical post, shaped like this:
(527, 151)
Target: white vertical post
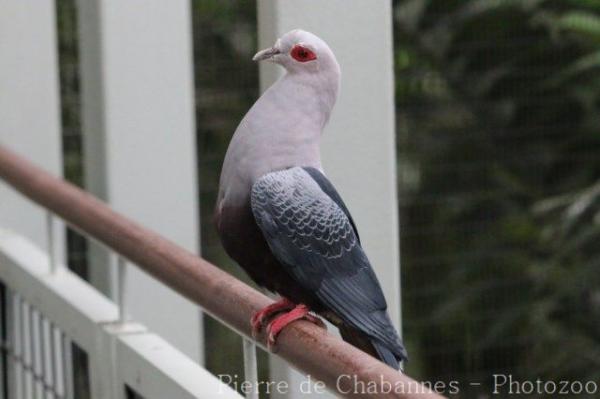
(250, 367)
(67, 366)
(139, 135)
(57, 363)
(51, 243)
(36, 345)
(47, 343)
(14, 339)
(122, 283)
(29, 107)
(4, 342)
(26, 351)
(358, 147)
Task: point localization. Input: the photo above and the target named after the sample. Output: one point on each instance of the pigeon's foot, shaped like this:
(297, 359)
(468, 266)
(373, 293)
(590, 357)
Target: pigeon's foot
(258, 319)
(299, 312)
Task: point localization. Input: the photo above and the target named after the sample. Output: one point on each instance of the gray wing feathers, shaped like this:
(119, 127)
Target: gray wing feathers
(312, 220)
(315, 241)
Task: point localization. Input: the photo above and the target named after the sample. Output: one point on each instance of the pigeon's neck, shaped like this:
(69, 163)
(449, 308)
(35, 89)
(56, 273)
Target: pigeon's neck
(280, 131)
(297, 105)
(288, 120)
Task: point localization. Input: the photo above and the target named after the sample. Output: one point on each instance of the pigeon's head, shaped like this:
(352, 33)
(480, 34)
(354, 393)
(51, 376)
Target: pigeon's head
(301, 52)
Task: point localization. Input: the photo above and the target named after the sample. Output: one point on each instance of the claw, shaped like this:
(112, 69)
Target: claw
(258, 319)
(315, 320)
(299, 312)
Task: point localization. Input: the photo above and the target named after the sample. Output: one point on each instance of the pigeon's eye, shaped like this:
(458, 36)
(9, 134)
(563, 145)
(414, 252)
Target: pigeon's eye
(302, 54)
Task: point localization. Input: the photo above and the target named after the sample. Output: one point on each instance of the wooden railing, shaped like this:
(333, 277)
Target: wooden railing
(343, 368)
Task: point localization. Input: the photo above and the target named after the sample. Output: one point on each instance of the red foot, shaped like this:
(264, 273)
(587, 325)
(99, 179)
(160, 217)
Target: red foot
(299, 312)
(259, 318)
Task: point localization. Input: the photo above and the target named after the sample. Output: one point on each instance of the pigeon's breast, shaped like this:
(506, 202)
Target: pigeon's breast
(253, 153)
(244, 242)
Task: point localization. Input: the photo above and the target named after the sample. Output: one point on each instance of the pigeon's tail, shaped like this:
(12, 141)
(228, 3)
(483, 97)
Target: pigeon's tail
(386, 355)
(373, 347)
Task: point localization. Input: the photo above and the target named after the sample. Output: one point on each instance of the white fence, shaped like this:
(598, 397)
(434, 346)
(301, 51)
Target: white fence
(119, 41)
(63, 339)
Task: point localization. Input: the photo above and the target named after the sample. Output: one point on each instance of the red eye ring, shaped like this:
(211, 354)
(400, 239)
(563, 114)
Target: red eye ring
(302, 54)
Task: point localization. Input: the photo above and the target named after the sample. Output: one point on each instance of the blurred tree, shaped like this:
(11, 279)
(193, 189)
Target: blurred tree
(498, 112)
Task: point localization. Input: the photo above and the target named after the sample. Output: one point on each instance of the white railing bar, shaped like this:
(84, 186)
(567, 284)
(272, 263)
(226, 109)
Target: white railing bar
(57, 362)
(26, 342)
(120, 260)
(13, 374)
(18, 336)
(47, 344)
(28, 360)
(27, 349)
(67, 359)
(37, 378)
(4, 348)
(36, 342)
(88, 319)
(3, 344)
(46, 372)
(122, 288)
(250, 368)
(10, 333)
(51, 242)
(10, 341)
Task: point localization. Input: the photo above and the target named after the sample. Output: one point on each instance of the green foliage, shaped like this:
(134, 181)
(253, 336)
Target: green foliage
(499, 112)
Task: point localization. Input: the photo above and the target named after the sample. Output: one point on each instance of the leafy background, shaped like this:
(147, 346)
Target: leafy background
(499, 145)
(498, 113)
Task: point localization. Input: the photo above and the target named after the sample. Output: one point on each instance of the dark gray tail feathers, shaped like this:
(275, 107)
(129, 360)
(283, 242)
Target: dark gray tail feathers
(387, 356)
(374, 347)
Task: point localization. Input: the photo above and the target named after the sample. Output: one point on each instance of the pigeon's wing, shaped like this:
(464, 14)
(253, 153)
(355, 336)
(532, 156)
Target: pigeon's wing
(314, 239)
(328, 189)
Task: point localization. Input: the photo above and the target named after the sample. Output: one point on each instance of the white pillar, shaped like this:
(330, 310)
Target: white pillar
(29, 108)
(139, 135)
(359, 154)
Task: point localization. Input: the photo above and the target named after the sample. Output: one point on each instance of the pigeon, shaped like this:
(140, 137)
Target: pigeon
(281, 219)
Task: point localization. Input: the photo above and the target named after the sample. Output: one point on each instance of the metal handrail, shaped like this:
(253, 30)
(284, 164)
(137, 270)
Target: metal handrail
(342, 367)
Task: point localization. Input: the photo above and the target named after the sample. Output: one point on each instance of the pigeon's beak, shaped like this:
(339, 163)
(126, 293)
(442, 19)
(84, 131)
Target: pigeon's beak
(266, 54)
